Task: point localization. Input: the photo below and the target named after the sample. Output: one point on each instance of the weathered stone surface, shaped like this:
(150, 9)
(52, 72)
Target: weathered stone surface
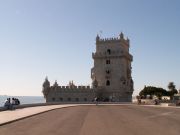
(111, 76)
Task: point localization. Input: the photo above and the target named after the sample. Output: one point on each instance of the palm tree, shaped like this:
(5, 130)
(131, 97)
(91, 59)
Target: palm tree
(172, 89)
(171, 86)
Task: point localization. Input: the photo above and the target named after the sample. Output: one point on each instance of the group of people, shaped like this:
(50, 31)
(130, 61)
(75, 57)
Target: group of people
(9, 103)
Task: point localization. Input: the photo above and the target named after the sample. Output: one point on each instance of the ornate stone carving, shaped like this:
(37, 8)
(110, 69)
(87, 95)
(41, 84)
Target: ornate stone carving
(95, 83)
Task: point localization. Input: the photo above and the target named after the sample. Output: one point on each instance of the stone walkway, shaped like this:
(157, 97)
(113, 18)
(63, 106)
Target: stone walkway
(17, 114)
(14, 115)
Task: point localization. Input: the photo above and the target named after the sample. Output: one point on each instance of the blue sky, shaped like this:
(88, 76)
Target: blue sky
(56, 38)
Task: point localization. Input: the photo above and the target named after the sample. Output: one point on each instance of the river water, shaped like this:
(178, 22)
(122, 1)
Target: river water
(23, 99)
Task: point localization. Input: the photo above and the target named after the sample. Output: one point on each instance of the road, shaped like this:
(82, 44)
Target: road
(99, 120)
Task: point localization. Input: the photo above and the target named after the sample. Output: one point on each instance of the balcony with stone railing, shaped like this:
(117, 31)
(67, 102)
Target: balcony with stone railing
(112, 55)
(112, 40)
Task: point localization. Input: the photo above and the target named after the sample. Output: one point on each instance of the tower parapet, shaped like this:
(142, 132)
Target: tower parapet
(112, 40)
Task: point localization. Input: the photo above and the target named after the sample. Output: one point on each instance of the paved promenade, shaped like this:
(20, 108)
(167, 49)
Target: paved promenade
(99, 120)
(13, 115)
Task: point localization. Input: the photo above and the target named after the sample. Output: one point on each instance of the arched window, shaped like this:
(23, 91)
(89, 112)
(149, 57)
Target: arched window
(123, 80)
(107, 83)
(108, 51)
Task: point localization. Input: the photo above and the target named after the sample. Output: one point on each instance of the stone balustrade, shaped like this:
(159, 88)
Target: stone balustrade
(113, 54)
(112, 40)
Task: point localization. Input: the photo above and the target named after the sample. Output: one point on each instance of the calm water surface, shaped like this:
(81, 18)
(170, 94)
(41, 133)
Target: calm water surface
(24, 99)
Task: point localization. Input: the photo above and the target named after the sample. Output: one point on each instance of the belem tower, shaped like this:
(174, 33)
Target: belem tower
(111, 76)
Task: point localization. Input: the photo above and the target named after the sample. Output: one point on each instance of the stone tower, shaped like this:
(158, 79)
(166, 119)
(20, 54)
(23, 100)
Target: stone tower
(112, 69)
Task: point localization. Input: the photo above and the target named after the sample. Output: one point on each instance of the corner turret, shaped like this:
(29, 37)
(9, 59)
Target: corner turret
(121, 36)
(97, 38)
(46, 86)
(71, 84)
(55, 84)
(128, 40)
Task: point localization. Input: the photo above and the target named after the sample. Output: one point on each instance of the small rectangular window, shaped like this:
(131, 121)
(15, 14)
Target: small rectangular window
(109, 51)
(107, 61)
(107, 83)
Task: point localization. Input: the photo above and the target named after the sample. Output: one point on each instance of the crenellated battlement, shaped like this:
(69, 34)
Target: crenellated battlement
(112, 40)
(70, 88)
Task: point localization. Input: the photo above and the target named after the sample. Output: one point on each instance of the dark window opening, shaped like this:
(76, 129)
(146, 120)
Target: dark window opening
(85, 99)
(69, 99)
(61, 99)
(77, 99)
(107, 83)
(124, 82)
(108, 51)
(107, 61)
(53, 99)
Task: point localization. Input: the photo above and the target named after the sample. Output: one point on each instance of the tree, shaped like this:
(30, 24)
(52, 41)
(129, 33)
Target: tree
(150, 90)
(172, 89)
(171, 86)
(159, 92)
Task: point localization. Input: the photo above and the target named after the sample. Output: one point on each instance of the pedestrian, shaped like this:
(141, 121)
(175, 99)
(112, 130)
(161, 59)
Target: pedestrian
(96, 100)
(13, 101)
(139, 101)
(8, 104)
(156, 101)
(17, 101)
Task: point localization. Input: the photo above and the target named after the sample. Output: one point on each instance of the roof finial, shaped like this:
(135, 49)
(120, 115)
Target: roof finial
(97, 37)
(128, 40)
(55, 83)
(46, 78)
